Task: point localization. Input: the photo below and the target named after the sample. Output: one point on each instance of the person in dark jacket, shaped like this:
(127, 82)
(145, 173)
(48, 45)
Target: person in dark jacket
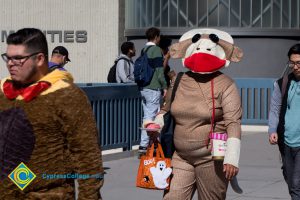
(284, 126)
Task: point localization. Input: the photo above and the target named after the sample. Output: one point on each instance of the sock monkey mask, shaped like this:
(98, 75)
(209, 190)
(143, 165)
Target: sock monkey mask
(206, 50)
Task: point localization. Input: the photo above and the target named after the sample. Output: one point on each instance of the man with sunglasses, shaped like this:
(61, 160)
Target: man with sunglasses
(284, 126)
(46, 124)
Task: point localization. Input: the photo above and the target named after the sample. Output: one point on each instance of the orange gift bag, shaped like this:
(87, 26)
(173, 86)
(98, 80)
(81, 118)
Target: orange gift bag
(154, 172)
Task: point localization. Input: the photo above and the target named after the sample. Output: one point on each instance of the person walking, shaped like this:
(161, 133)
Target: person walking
(151, 94)
(284, 126)
(207, 112)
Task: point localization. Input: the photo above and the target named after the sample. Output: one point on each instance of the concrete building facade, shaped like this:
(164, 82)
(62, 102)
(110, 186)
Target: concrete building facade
(93, 30)
(88, 29)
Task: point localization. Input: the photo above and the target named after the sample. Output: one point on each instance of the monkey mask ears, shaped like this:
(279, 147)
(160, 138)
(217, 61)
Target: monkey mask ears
(230, 52)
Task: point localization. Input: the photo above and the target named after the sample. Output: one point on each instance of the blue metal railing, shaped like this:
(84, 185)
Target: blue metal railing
(118, 113)
(118, 110)
(255, 96)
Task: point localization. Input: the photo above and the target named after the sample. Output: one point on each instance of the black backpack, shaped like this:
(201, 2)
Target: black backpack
(111, 77)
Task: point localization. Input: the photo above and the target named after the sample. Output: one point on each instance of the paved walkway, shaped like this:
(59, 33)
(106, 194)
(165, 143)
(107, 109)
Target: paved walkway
(260, 175)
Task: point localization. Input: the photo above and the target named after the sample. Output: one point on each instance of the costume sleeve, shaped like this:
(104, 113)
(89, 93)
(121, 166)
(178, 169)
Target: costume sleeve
(275, 106)
(232, 111)
(232, 114)
(81, 136)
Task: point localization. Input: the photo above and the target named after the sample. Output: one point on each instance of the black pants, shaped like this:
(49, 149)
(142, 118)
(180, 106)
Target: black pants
(291, 170)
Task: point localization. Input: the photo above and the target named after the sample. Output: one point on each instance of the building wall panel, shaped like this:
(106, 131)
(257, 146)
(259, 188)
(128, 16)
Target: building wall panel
(90, 61)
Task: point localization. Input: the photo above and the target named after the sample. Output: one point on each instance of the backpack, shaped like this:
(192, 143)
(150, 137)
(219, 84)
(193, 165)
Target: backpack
(143, 72)
(111, 77)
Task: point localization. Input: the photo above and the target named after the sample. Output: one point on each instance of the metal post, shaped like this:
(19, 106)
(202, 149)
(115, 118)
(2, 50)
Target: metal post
(251, 12)
(281, 14)
(153, 8)
(261, 13)
(169, 16)
(147, 13)
(218, 13)
(298, 14)
(177, 16)
(229, 13)
(141, 11)
(197, 14)
(240, 14)
(207, 14)
(290, 13)
(187, 13)
(160, 13)
(271, 20)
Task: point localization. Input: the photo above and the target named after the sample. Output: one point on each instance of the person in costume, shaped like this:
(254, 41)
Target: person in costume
(46, 122)
(206, 101)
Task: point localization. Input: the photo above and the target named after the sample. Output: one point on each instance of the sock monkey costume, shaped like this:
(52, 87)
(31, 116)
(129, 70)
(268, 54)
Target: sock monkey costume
(204, 52)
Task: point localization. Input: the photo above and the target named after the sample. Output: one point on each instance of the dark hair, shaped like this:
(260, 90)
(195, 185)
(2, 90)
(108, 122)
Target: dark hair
(151, 33)
(295, 49)
(33, 39)
(165, 42)
(126, 46)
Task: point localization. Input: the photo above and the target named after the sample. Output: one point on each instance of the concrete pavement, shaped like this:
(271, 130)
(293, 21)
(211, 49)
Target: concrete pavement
(260, 176)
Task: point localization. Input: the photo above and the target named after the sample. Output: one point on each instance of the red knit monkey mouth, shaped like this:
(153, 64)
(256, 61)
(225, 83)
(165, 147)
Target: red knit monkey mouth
(203, 62)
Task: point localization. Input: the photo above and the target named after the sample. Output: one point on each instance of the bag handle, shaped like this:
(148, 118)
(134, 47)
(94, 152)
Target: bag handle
(145, 51)
(159, 151)
(213, 108)
(212, 121)
(177, 80)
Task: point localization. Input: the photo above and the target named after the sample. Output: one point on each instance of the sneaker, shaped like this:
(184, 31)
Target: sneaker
(142, 149)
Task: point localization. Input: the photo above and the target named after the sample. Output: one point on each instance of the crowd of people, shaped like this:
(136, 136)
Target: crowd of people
(52, 127)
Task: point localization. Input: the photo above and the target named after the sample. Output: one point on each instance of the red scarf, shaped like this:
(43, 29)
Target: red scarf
(28, 93)
(203, 62)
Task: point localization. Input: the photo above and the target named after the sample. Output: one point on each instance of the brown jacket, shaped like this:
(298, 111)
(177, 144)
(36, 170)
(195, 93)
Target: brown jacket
(54, 133)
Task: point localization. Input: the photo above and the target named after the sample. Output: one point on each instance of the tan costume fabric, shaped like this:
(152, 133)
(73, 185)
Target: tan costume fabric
(65, 141)
(208, 178)
(192, 109)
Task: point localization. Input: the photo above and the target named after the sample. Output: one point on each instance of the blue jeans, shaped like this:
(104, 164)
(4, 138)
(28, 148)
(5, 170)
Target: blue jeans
(151, 106)
(291, 170)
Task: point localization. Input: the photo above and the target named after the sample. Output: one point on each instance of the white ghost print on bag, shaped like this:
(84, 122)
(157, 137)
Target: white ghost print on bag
(160, 174)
